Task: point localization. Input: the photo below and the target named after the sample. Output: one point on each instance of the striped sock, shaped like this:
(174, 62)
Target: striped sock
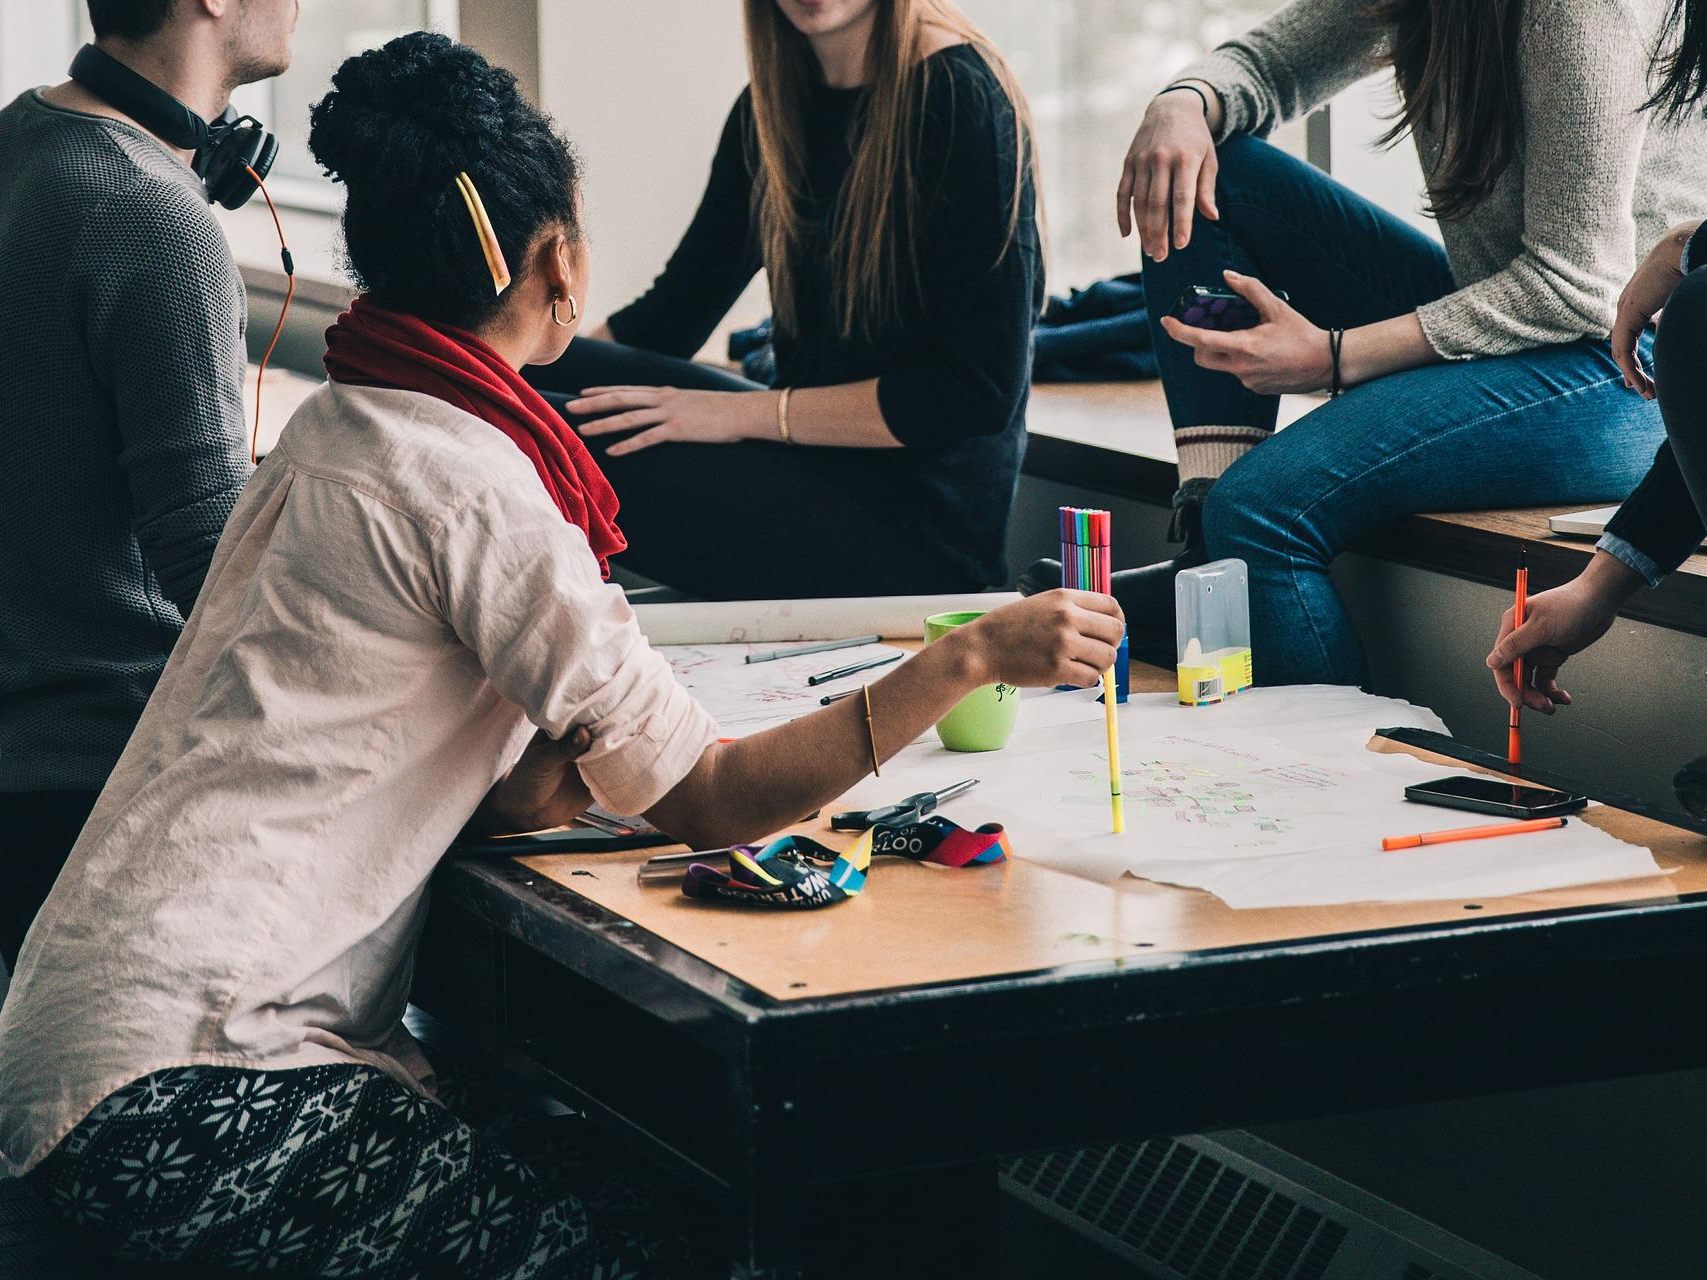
(1208, 451)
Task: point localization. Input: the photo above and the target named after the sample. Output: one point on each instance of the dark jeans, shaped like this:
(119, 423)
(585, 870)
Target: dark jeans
(1551, 425)
(1662, 523)
(1680, 366)
(1341, 260)
(37, 830)
(745, 520)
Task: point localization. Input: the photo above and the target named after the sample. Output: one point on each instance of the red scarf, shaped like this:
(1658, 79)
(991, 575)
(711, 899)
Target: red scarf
(372, 347)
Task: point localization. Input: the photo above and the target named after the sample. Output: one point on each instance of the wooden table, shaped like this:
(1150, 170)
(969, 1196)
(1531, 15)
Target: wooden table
(835, 1088)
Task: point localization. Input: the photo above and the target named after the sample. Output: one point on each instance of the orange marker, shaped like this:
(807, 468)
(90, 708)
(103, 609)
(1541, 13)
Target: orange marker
(1514, 735)
(1392, 843)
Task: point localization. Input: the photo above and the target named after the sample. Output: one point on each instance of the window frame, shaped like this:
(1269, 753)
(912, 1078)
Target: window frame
(320, 194)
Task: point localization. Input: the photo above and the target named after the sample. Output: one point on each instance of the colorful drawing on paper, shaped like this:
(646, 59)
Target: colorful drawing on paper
(1188, 794)
(1194, 785)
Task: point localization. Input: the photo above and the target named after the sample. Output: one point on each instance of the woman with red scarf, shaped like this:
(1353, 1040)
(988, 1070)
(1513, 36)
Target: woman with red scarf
(410, 592)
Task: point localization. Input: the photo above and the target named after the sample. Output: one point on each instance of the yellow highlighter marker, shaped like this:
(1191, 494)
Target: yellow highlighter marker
(1116, 800)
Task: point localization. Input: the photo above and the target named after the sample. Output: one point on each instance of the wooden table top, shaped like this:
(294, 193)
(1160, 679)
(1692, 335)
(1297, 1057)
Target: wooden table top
(917, 924)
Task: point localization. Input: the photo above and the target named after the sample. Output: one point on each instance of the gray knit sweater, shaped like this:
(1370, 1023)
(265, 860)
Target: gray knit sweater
(121, 366)
(1545, 256)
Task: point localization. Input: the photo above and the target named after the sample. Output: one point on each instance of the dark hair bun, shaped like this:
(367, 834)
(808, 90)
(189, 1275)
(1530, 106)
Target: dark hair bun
(412, 113)
(399, 124)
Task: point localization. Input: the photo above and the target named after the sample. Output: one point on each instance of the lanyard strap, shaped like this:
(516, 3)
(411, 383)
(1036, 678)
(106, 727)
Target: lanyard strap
(796, 872)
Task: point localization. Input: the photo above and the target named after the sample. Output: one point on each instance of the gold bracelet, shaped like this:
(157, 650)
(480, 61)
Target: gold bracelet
(782, 417)
(871, 732)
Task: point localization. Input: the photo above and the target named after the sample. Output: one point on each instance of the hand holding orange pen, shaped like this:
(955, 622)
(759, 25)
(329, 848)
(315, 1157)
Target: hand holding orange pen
(1514, 736)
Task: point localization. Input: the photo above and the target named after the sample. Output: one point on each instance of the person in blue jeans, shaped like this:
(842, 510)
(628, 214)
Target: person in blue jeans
(1475, 373)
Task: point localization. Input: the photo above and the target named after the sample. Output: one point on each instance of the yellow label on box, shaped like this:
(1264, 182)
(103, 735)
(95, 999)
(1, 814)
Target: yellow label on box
(1217, 677)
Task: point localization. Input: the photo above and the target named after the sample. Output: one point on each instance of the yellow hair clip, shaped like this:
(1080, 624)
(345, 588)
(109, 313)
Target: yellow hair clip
(483, 228)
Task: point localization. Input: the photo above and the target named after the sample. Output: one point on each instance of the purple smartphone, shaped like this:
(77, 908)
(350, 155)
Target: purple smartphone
(1217, 309)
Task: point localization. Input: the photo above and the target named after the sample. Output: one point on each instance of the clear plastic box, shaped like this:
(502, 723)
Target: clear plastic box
(1212, 629)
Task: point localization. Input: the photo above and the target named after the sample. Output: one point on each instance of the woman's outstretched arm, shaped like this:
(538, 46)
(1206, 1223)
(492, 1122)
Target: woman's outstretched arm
(748, 789)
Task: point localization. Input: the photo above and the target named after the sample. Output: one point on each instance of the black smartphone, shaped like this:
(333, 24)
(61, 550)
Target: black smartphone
(1219, 309)
(1490, 795)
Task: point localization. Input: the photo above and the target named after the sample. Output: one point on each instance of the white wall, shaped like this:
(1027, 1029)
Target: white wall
(37, 39)
(642, 87)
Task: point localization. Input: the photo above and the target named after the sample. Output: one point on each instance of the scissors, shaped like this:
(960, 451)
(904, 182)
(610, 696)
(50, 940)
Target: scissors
(913, 808)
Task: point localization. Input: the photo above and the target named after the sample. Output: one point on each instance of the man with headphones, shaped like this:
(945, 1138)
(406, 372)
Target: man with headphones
(121, 385)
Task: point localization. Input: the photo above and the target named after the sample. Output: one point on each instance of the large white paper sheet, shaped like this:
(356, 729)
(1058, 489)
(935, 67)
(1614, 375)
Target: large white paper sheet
(1265, 801)
(747, 697)
(760, 621)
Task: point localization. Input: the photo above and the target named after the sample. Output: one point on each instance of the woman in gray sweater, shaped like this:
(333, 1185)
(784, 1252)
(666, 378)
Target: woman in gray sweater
(1477, 374)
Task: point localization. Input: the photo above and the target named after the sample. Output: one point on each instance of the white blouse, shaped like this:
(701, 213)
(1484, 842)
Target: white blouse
(393, 607)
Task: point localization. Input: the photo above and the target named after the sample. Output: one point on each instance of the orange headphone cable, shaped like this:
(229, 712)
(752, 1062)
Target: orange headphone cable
(290, 292)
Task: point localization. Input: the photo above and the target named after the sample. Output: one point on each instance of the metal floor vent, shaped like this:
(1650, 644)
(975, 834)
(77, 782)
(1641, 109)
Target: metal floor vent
(1235, 1208)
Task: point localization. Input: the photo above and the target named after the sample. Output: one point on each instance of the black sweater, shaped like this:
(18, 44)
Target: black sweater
(121, 412)
(1660, 519)
(953, 374)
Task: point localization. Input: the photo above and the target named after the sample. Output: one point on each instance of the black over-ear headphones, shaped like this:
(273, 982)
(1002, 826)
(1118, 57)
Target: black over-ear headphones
(225, 149)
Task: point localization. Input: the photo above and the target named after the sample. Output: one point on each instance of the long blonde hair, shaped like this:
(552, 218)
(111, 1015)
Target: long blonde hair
(872, 229)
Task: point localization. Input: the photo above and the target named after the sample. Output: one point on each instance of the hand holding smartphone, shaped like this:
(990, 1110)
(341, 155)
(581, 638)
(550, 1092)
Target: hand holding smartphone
(1218, 309)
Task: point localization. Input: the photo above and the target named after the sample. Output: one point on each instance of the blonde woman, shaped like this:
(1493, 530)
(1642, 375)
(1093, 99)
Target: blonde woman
(880, 169)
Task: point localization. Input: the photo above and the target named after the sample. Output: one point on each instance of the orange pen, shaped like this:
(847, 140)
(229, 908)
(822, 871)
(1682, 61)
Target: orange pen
(1514, 735)
(1472, 833)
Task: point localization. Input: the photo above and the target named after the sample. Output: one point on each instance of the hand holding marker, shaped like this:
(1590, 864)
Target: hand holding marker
(1520, 613)
(1088, 564)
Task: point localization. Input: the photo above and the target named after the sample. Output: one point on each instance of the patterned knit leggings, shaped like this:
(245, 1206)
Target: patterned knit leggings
(336, 1171)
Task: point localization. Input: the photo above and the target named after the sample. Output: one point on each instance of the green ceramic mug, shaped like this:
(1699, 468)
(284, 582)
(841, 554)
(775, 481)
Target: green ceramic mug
(984, 719)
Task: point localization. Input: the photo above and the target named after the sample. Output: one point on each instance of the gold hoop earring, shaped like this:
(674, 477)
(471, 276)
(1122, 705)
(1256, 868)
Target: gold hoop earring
(574, 313)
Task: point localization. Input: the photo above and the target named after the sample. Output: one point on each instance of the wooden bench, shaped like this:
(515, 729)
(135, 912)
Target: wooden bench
(1115, 438)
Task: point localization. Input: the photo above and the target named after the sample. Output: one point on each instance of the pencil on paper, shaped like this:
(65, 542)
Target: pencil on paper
(823, 646)
(824, 677)
(1392, 843)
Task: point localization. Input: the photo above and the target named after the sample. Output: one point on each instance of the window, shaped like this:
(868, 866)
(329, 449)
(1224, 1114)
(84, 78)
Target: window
(327, 32)
(37, 41)
(1089, 67)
